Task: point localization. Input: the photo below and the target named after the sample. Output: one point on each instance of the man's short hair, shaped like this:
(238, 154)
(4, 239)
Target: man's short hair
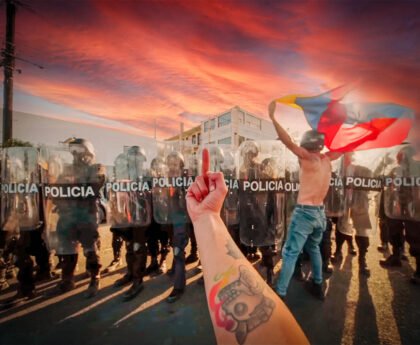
(312, 140)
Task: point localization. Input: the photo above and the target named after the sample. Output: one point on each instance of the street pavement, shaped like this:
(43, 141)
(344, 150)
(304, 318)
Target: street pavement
(382, 309)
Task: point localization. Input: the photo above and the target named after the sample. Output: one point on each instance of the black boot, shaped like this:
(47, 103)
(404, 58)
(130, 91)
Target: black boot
(68, 264)
(363, 245)
(383, 248)
(363, 269)
(153, 267)
(391, 261)
(134, 290)
(350, 247)
(337, 257)
(126, 279)
(270, 275)
(93, 288)
(174, 295)
(339, 241)
(316, 290)
(193, 257)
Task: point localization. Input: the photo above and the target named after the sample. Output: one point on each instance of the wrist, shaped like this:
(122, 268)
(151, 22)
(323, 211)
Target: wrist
(206, 219)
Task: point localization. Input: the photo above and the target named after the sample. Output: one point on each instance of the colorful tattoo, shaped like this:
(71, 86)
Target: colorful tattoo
(239, 306)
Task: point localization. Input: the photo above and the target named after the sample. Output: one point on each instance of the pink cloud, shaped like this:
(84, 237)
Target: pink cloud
(136, 63)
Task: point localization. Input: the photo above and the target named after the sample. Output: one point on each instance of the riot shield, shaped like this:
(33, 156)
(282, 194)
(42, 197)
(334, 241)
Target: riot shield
(20, 197)
(169, 185)
(363, 184)
(261, 176)
(402, 184)
(292, 184)
(71, 185)
(129, 191)
(334, 200)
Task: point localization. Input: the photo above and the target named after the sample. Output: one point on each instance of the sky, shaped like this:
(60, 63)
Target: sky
(127, 64)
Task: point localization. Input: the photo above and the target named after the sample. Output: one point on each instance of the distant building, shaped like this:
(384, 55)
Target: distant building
(231, 127)
(234, 126)
(190, 140)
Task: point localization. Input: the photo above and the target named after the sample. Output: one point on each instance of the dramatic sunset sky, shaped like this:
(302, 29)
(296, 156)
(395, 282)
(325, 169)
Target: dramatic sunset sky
(137, 61)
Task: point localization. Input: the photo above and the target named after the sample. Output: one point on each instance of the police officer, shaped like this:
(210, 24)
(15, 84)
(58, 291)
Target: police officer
(78, 217)
(249, 170)
(134, 230)
(179, 224)
(24, 221)
(404, 205)
(357, 217)
(158, 234)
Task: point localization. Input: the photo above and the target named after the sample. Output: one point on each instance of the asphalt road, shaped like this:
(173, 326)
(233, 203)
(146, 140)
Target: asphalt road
(383, 309)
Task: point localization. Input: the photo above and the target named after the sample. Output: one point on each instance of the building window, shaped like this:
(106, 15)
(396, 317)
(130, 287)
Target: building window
(227, 140)
(252, 121)
(194, 141)
(209, 125)
(224, 119)
(198, 138)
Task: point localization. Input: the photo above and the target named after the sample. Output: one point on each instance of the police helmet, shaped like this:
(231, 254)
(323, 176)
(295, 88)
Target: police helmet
(269, 168)
(312, 141)
(177, 156)
(157, 161)
(137, 151)
(249, 148)
(82, 147)
(216, 155)
(406, 152)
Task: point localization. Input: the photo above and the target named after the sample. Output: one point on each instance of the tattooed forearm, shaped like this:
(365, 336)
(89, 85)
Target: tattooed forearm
(233, 250)
(240, 306)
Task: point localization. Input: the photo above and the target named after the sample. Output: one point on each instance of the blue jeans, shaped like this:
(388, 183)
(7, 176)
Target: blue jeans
(306, 228)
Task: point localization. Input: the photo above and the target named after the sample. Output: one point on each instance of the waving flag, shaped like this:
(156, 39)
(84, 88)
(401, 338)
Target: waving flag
(353, 127)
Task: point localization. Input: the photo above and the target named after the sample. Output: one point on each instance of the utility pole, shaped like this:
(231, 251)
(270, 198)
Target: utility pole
(9, 66)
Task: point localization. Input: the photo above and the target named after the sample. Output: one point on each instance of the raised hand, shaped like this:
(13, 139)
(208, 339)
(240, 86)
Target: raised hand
(206, 195)
(272, 109)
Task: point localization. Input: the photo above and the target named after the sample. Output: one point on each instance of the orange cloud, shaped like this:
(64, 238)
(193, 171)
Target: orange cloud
(155, 60)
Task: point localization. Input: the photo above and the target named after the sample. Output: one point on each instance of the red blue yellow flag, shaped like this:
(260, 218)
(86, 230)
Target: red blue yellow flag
(350, 126)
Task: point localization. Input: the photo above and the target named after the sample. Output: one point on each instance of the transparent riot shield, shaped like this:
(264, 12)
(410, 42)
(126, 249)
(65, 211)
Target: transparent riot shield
(334, 200)
(261, 176)
(20, 197)
(71, 186)
(363, 184)
(129, 191)
(222, 159)
(170, 181)
(292, 184)
(402, 184)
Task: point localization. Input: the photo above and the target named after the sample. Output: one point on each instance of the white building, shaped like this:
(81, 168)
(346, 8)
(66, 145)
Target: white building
(235, 126)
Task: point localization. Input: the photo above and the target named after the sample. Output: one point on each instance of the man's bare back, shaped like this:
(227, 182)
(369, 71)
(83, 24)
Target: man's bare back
(315, 167)
(314, 176)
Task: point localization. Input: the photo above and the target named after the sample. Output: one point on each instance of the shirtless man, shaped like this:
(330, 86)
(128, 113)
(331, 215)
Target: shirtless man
(308, 220)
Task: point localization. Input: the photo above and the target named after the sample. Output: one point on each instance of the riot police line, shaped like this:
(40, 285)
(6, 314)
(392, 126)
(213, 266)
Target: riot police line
(49, 196)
